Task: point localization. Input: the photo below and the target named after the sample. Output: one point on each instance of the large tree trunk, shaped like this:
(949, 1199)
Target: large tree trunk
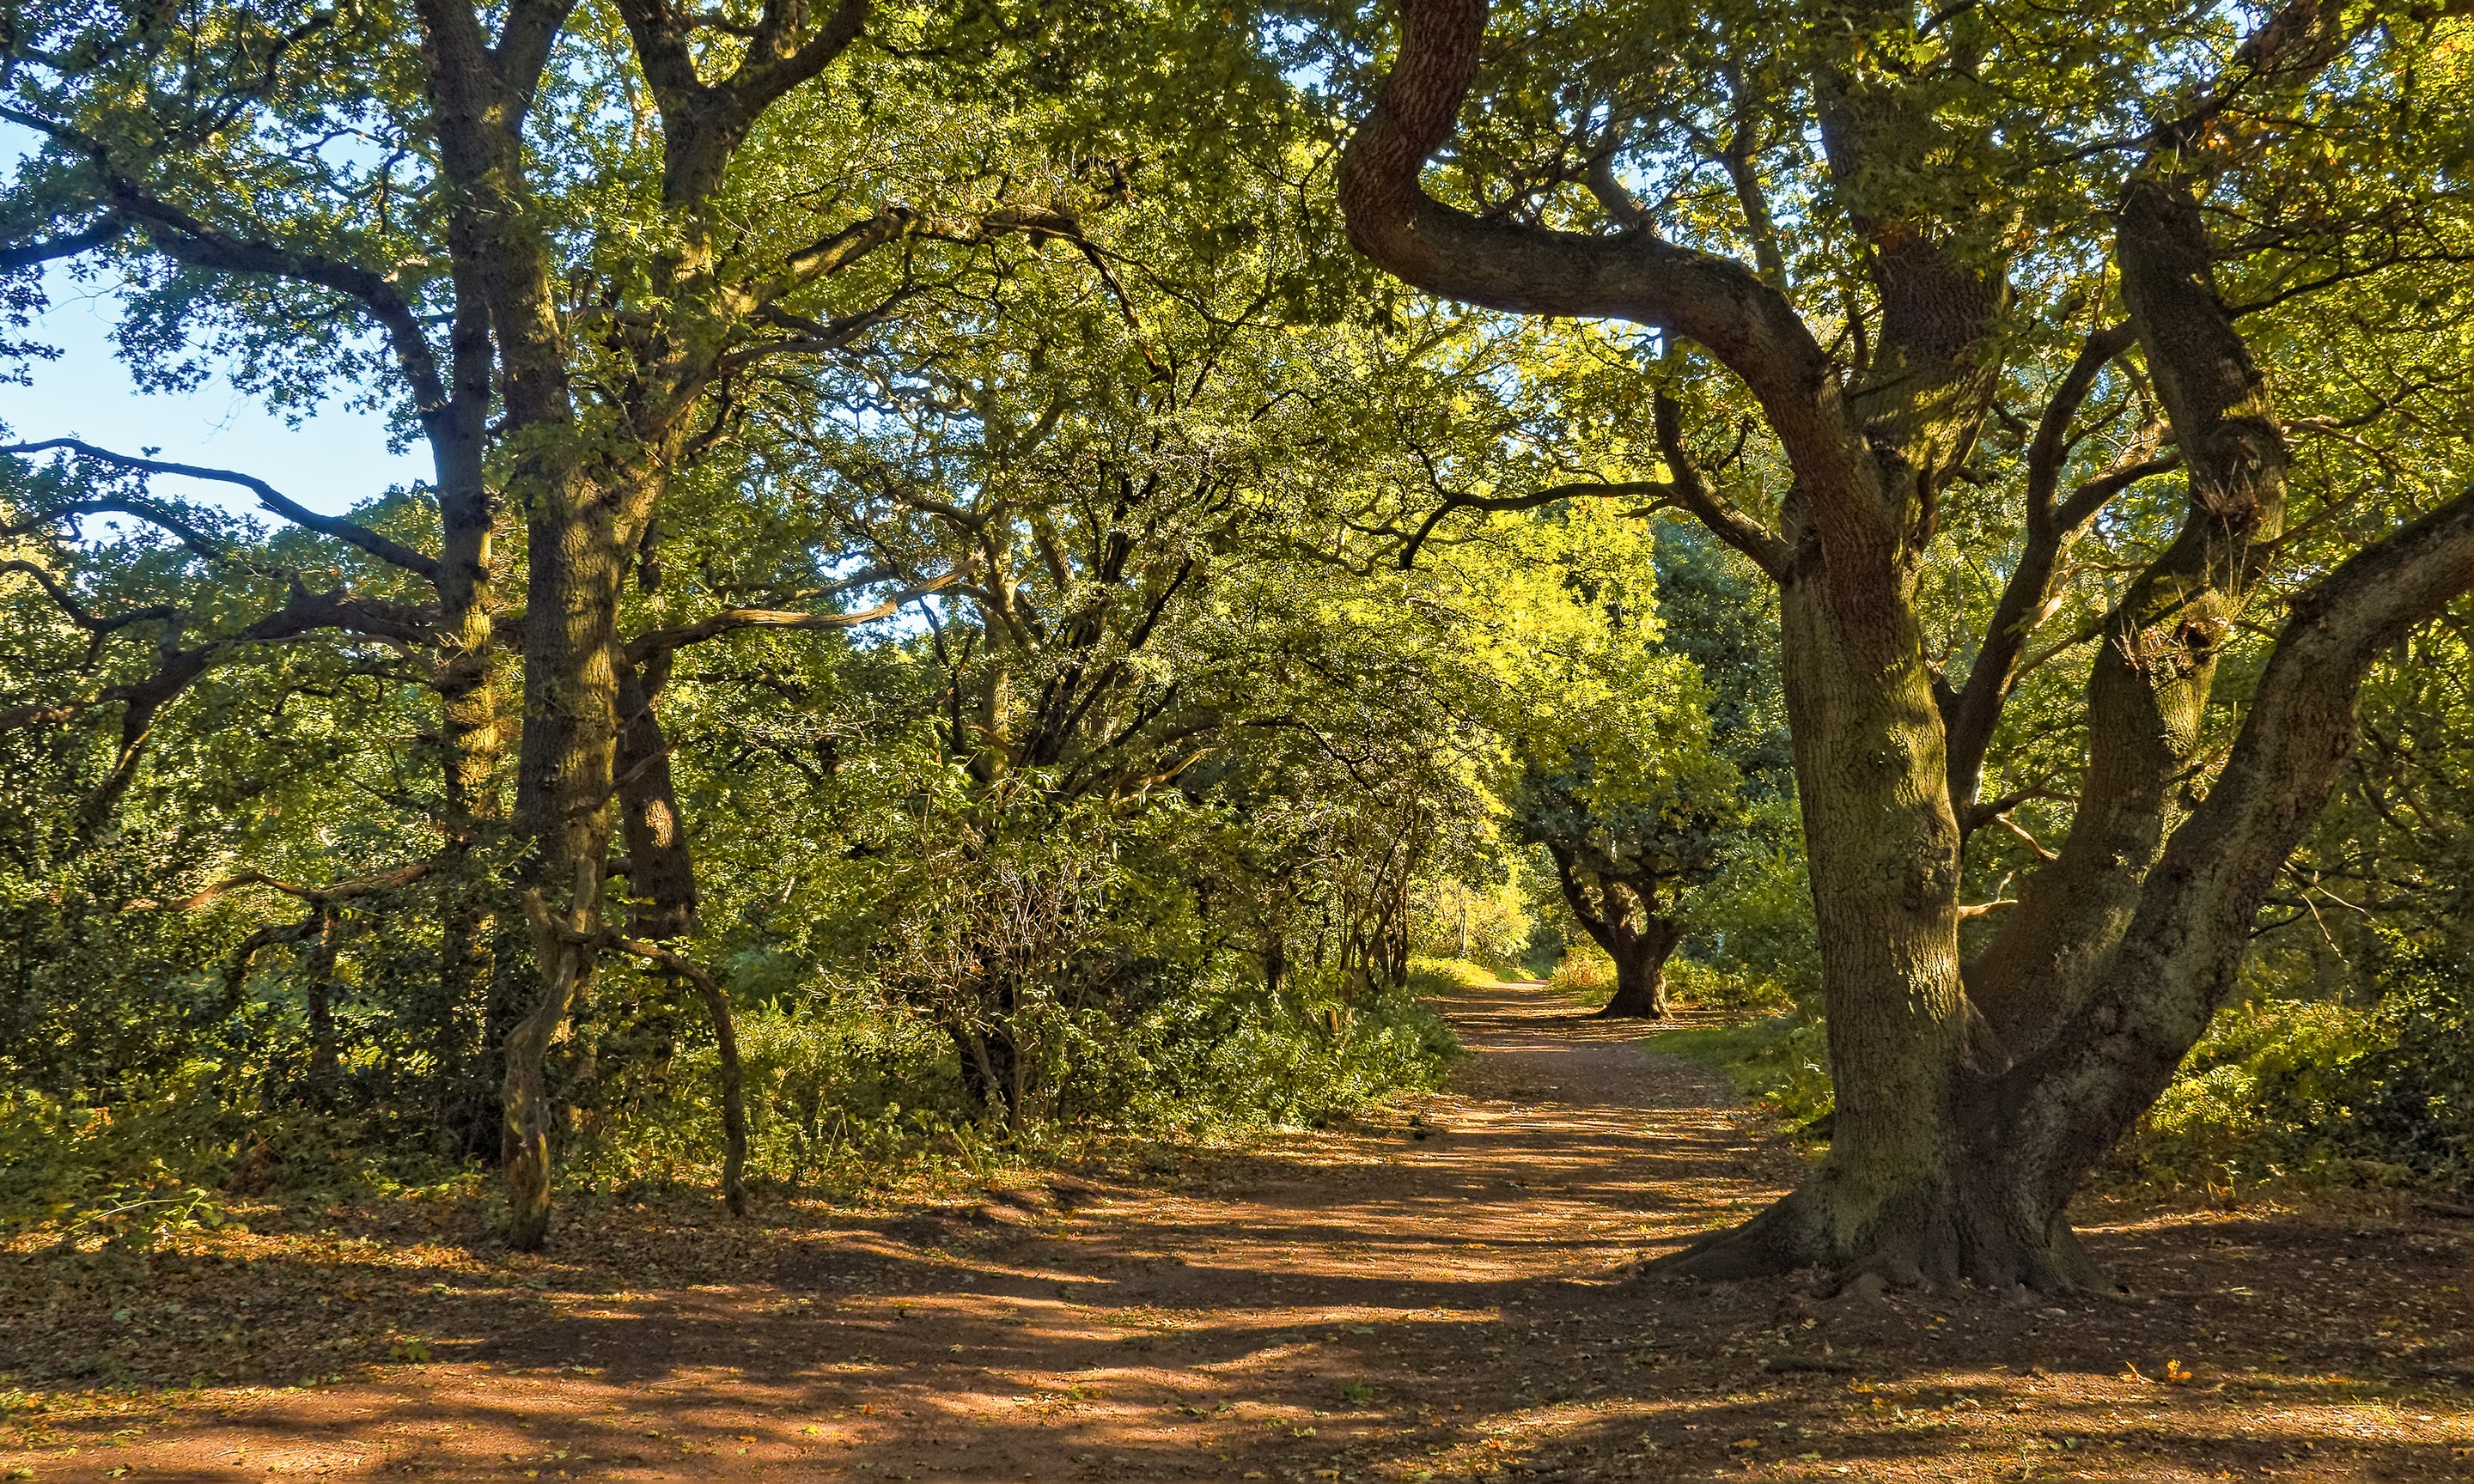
(563, 790)
(661, 871)
(1884, 845)
(469, 743)
(479, 94)
(1641, 972)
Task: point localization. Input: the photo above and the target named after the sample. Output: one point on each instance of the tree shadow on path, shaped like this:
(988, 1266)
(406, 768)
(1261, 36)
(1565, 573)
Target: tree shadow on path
(1446, 1288)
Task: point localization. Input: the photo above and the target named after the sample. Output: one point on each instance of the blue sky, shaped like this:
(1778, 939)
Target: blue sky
(330, 463)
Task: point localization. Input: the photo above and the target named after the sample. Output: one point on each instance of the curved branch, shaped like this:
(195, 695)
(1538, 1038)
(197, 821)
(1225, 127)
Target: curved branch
(660, 642)
(186, 239)
(1651, 489)
(351, 533)
(1693, 491)
(341, 891)
(1973, 713)
(1715, 302)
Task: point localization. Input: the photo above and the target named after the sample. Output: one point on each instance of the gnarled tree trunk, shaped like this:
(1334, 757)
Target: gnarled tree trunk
(1640, 951)
(1970, 1107)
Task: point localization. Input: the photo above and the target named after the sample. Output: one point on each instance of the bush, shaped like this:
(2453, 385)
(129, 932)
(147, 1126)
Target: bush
(1736, 992)
(2317, 1091)
(1439, 975)
(128, 1171)
(1585, 972)
(844, 1090)
(1780, 1060)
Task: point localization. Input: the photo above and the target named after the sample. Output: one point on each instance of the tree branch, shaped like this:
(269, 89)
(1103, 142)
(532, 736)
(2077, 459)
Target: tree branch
(1653, 489)
(351, 533)
(1693, 491)
(1973, 711)
(1716, 301)
(29, 255)
(186, 239)
(341, 891)
(660, 642)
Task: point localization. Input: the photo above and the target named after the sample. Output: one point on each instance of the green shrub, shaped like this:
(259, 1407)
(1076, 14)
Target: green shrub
(2319, 1090)
(844, 1090)
(1586, 972)
(1780, 1060)
(1736, 992)
(129, 1171)
(1440, 976)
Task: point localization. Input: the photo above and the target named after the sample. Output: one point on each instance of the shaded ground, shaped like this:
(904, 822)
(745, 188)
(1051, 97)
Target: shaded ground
(1447, 1290)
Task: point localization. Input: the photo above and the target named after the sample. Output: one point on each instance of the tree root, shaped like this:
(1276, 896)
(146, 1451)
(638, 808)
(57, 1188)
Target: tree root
(1921, 1239)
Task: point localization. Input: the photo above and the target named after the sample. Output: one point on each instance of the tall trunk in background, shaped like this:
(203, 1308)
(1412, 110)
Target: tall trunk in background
(479, 94)
(469, 741)
(661, 871)
(1640, 952)
(318, 991)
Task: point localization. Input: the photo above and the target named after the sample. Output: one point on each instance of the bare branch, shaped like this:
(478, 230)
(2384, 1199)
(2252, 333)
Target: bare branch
(1693, 491)
(349, 532)
(644, 646)
(340, 891)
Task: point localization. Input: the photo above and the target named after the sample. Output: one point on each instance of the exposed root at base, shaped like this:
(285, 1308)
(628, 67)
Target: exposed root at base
(1928, 1244)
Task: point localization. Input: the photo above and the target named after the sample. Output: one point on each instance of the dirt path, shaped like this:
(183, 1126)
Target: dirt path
(1447, 1290)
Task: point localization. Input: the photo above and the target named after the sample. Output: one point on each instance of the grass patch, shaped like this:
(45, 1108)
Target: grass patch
(1436, 975)
(1780, 1061)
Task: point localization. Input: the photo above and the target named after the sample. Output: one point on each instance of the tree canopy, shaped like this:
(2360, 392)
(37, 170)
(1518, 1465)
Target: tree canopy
(1036, 554)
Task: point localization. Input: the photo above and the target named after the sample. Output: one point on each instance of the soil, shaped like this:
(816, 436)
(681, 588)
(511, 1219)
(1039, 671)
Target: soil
(1448, 1288)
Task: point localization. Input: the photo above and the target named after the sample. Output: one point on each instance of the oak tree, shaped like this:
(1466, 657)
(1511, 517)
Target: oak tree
(1879, 229)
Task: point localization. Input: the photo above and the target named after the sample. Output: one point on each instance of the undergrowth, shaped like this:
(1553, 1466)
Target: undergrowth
(844, 1098)
(2319, 1092)
(1780, 1060)
(2297, 1093)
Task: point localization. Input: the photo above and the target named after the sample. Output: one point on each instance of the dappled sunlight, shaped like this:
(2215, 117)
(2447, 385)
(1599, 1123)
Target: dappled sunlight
(1450, 1287)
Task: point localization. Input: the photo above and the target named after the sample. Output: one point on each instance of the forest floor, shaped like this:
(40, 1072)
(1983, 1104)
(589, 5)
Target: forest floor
(1448, 1288)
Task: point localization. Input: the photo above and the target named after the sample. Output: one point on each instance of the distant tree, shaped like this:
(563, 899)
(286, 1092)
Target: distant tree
(1621, 869)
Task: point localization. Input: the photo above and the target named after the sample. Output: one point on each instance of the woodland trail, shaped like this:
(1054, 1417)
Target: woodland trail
(1445, 1289)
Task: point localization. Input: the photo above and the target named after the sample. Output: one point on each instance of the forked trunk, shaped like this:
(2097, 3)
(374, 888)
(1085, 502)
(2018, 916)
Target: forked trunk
(1641, 972)
(1640, 951)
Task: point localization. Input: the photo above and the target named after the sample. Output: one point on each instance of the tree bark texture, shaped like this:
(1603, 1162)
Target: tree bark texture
(567, 945)
(661, 871)
(734, 1102)
(325, 1058)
